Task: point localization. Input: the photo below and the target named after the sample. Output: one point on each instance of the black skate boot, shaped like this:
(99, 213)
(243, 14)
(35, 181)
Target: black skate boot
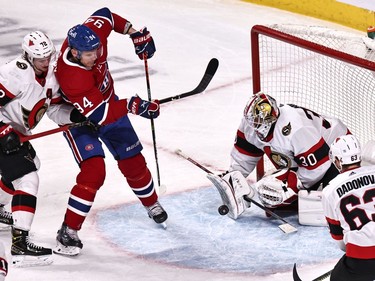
(5, 217)
(68, 242)
(25, 253)
(157, 213)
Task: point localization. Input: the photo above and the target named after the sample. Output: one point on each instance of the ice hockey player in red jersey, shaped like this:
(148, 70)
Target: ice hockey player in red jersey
(295, 139)
(348, 204)
(28, 90)
(86, 82)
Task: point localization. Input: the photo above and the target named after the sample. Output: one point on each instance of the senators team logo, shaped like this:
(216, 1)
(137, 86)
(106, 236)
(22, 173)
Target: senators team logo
(32, 117)
(279, 160)
(286, 130)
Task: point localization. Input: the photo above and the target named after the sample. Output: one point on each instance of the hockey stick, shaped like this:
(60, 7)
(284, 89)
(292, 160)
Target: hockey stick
(52, 131)
(320, 278)
(152, 119)
(286, 227)
(206, 79)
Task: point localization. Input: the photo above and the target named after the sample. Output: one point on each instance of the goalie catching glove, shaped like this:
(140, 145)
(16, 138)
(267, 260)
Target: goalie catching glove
(278, 189)
(232, 187)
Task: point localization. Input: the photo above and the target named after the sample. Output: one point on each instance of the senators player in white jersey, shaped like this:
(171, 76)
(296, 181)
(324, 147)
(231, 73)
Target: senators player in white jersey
(28, 90)
(295, 139)
(348, 204)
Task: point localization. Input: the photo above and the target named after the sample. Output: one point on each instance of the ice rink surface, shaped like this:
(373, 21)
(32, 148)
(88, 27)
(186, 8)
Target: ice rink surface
(120, 241)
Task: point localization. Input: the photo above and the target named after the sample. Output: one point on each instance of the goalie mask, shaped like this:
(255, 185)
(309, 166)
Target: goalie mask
(37, 45)
(346, 149)
(261, 113)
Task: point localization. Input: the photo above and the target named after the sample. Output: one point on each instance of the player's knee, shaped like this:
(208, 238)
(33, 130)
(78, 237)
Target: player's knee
(92, 173)
(28, 184)
(134, 168)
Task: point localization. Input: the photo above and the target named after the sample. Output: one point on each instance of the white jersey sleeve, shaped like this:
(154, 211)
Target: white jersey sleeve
(25, 98)
(349, 206)
(245, 154)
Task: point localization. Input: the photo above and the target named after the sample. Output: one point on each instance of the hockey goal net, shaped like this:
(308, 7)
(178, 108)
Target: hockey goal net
(328, 71)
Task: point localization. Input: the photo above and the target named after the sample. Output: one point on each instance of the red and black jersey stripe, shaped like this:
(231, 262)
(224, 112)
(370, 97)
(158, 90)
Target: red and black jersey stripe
(243, 146)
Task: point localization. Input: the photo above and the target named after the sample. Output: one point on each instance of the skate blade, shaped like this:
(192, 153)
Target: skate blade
(29, 261)
(60, 249)
(163, 225)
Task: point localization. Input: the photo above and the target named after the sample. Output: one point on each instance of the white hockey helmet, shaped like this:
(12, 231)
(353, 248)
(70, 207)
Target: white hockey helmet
(261, 112)
(37, 45)
(346, 149)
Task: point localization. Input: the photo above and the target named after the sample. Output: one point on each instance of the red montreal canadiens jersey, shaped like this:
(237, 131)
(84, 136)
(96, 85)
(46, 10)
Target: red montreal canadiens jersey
(349, 206)
(24, 99)
(91, 91)
(301, 139)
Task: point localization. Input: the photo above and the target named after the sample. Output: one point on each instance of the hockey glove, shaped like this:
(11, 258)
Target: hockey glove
(81, 120)
(143, 43)
(146, 109)
(278, 189)
(76, 116)
(232, 187)
(9, 140)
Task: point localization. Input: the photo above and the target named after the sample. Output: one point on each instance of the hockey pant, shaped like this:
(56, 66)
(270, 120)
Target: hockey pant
(20, 183)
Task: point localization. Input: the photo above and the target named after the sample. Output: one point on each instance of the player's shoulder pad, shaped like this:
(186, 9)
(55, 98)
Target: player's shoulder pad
(103, 12)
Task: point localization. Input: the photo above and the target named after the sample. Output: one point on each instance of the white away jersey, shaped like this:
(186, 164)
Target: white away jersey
(300, 139)
(24, 100)
(349, 206)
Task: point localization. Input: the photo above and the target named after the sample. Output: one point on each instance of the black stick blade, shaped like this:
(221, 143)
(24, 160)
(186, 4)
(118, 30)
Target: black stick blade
(295, 274)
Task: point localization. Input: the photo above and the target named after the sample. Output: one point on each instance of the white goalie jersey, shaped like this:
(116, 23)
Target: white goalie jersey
(348, 204)
(25, 98)
(300, 140)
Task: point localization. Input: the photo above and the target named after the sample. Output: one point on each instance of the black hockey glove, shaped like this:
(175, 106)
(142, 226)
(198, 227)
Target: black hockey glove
(9, 140)
(76, 116)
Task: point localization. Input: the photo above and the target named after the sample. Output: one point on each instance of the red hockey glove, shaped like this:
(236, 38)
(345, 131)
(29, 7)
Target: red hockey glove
(143, 43)
(146, 109)
(9, 140)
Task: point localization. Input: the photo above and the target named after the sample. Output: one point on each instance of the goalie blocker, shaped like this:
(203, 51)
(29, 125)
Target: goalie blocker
(233, 186)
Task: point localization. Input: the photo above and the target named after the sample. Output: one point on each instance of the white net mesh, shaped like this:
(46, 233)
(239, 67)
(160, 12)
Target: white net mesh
(329, 86)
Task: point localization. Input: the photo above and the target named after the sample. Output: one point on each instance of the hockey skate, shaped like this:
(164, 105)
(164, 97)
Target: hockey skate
(68, 242)
(157, 213)
(6, 219)
(25, 253)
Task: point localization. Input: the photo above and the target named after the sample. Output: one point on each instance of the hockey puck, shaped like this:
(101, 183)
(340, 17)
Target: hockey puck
(223, 210)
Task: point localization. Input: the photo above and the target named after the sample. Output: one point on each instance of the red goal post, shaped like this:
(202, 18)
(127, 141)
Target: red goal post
(329, 71)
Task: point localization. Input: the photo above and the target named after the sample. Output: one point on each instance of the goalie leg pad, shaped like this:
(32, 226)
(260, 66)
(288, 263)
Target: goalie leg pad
(232, 187)
(310, 208)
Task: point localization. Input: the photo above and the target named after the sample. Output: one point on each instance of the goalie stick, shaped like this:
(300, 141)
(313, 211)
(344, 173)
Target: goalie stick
(206, 79)
(320, 278)
(286, 227)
